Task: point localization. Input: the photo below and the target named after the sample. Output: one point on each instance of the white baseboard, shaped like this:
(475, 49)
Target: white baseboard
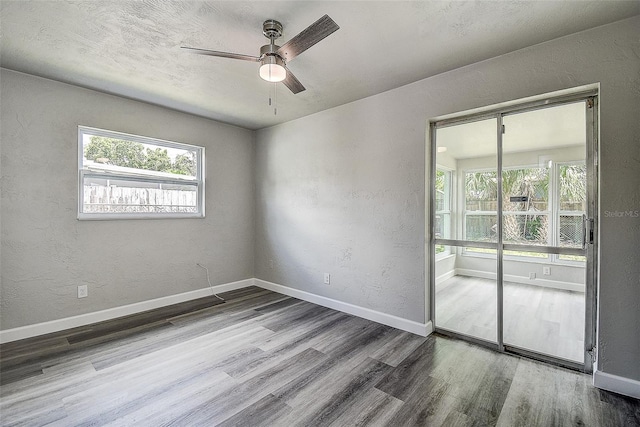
(115, 312)
(445, 276)
(555, 284)
(616, 384)
(37, 329)
(422, 329)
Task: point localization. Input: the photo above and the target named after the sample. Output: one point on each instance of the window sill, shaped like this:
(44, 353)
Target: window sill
(533, 260)
(120, 216)
(442, 257)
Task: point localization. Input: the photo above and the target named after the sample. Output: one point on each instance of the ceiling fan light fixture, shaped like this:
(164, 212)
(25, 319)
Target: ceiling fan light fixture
(272, 69)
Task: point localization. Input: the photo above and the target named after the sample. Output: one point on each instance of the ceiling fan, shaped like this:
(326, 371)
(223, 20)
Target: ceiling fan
(273, 58)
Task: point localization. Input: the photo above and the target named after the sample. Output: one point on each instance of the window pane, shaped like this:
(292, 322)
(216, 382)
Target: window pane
(571, 230)
(526, 229)
(126, 176)
(129, 196)
(443, 190)
(481, 191)
(573, 187)
(525, 189)
(116, 155)
(467, 304)
(481, 228)
(442, 218)
(440, 190)
(466, 154)
(442, 225)
(542, 318)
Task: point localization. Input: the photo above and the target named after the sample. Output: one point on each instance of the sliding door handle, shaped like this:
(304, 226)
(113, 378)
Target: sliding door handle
(587, 231)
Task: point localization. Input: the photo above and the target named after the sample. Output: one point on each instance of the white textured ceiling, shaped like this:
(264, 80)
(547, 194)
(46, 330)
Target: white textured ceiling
(132, 48)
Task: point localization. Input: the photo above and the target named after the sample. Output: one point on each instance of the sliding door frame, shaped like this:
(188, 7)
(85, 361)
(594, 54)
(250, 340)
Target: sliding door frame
(590, 97)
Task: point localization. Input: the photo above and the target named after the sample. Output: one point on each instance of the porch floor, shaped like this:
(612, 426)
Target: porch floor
(545, 320)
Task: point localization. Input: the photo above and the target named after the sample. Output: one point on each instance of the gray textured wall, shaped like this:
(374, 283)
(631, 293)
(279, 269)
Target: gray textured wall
(342, 191)
(47, 252)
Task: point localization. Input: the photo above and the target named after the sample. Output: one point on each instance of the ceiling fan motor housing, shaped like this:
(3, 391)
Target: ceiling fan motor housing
(272, 29)
(269, 50)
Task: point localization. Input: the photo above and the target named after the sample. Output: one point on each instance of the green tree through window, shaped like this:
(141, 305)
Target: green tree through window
(132, 154)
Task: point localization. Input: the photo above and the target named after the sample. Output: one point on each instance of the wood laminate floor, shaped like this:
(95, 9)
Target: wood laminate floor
(545, 320)
(264, 359)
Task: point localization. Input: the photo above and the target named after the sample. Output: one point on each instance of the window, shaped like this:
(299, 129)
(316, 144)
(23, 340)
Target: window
(481, 204)
(526, 206)
(442, 223)
(572, 205)
(541, 206)
(125, 176)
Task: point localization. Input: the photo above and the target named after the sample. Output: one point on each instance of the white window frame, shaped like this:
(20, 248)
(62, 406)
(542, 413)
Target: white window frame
(553, 214)
(141, 176)
(557, 212)
(448, 200)
(463, 203)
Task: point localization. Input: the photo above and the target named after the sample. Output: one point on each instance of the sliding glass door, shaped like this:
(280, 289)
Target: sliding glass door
(465, 219)
(513, 207)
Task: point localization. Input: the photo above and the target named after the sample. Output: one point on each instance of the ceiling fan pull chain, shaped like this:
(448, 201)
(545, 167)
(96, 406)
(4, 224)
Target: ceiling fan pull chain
(275, 96)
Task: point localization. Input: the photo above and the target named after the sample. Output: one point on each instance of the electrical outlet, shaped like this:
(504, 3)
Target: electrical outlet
(546, 271)
(271, 264)
(327, 278)
(83, 291)
(532, 275)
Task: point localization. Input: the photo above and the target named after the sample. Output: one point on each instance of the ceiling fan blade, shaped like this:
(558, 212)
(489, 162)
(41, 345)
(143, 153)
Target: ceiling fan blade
(293, 83)
(308, 37)
(222, 54)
